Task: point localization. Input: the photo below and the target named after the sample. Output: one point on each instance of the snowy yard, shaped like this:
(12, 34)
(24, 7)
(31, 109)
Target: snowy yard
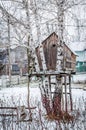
(79, 78)
(21, 90)
(18, 96)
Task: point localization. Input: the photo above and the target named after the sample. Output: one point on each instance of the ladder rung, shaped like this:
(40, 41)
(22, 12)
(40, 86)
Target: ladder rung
(53, 83)
(66, 84)
(54, 92)
(67, 93)
(62, 84)
(57, 93)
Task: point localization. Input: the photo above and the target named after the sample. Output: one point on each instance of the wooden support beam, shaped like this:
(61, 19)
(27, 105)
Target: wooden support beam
(4, 115)
(55, 73)
(14, 108)
(49, 82)
(65, 93)
(71, 104)
(49, 79)
(62, 100)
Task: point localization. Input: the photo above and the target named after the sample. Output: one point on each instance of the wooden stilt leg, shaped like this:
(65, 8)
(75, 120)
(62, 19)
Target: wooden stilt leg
(50, 93)
(62, 100)
(65, 93)
(71, 104)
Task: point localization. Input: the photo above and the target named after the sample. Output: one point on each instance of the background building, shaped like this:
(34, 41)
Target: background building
(18, 61)
(81, 61)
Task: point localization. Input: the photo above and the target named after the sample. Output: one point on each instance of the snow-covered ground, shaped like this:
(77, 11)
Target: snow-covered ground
(79, 78)
(22, 91)
(15, 80)
(15, 93)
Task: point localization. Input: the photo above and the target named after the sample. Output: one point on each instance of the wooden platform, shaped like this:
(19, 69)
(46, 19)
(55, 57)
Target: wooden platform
(52, 73)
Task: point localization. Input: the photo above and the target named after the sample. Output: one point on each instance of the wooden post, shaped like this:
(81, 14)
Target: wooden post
(8, 24)
(65, 82)
(49, 82)
(50, 93)
(28, 60)
(71, 104)
(57, 96)
(62, 95)
(59, 82)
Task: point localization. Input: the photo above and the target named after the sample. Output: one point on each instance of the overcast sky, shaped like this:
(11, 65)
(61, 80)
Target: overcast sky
(74, 22)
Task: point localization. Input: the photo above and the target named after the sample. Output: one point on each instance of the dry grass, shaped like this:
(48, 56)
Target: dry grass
(64, 121)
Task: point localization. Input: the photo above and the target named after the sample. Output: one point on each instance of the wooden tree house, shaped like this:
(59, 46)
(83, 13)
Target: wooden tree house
(55, 63)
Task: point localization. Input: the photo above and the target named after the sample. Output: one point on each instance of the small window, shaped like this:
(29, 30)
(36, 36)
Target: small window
(53, 45)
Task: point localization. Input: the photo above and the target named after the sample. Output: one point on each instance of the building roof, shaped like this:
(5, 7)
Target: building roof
(63, 42)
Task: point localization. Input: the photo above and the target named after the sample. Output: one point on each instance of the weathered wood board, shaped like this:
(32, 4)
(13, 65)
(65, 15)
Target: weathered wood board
(55, 56)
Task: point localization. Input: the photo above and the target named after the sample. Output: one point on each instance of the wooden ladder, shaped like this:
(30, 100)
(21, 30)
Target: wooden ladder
(65, 86)
(67, 94)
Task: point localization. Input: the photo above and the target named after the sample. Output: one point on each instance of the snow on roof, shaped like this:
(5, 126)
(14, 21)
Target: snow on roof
(78, 46)
(71, 49)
